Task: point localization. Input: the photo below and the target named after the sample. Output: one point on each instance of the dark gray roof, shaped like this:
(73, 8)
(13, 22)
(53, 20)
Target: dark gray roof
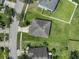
(40, 28)
(50, 4)
(38, 53)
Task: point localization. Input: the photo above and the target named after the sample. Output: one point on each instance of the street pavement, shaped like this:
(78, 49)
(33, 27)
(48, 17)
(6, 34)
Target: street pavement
(13, 38)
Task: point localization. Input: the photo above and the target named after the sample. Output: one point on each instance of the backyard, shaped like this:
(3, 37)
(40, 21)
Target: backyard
(63, 11)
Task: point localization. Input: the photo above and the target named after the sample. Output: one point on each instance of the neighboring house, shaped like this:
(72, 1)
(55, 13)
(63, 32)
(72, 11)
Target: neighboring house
(38, 53)
(48, 4)
(2, 1)
(10, 4)
(40, 28)
(19, 7)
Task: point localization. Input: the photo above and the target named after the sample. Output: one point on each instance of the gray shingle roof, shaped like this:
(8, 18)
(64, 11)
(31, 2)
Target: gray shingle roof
(40, 28)
(38, 53)
(19, 7)
(49, 4)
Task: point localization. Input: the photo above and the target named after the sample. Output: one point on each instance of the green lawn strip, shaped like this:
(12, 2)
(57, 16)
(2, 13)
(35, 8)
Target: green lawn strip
(18, 40)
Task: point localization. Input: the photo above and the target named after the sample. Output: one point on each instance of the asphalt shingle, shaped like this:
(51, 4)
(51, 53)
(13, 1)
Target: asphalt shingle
(48, 4)
(40, 28)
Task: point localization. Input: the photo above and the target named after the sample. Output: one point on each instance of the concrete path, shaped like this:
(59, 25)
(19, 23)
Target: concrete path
(2, 44)
(6, 30)
(23, 29)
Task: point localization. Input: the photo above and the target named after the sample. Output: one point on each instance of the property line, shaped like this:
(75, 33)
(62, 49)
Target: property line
(55, 19)
(25, 11)
(76, 4)
(21, 41)
(73, 2)
(73, 14)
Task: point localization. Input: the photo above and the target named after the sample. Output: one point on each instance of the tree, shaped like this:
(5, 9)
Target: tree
(54, 50)
(55, 57)
(74, 54)
(2, 49)
(45, 43)
(27, 22)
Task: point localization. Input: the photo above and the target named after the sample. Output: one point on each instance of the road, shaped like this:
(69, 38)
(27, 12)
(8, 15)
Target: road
(13, 39)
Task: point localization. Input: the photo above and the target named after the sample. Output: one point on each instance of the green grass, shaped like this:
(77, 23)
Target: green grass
(63, 11)
(1, 55)
(57, 39)
(60, 32)
(18, 40)
(4, 19)
(1, 36)
(73, 45)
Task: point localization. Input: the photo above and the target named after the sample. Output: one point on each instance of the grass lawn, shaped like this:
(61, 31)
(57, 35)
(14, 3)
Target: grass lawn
(4, 19)
(74, 45)
(74, 26)
(1, 55)
(57, 39)
(63, 11)
(60, 32)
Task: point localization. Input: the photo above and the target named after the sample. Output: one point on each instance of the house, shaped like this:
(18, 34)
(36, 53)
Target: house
(48, 4)
(19, 7)
(38, 53)
(40, 28)
(2, 1)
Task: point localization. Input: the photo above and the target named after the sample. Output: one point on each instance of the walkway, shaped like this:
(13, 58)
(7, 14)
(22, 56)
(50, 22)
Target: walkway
(6, 30)
(2, 44)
